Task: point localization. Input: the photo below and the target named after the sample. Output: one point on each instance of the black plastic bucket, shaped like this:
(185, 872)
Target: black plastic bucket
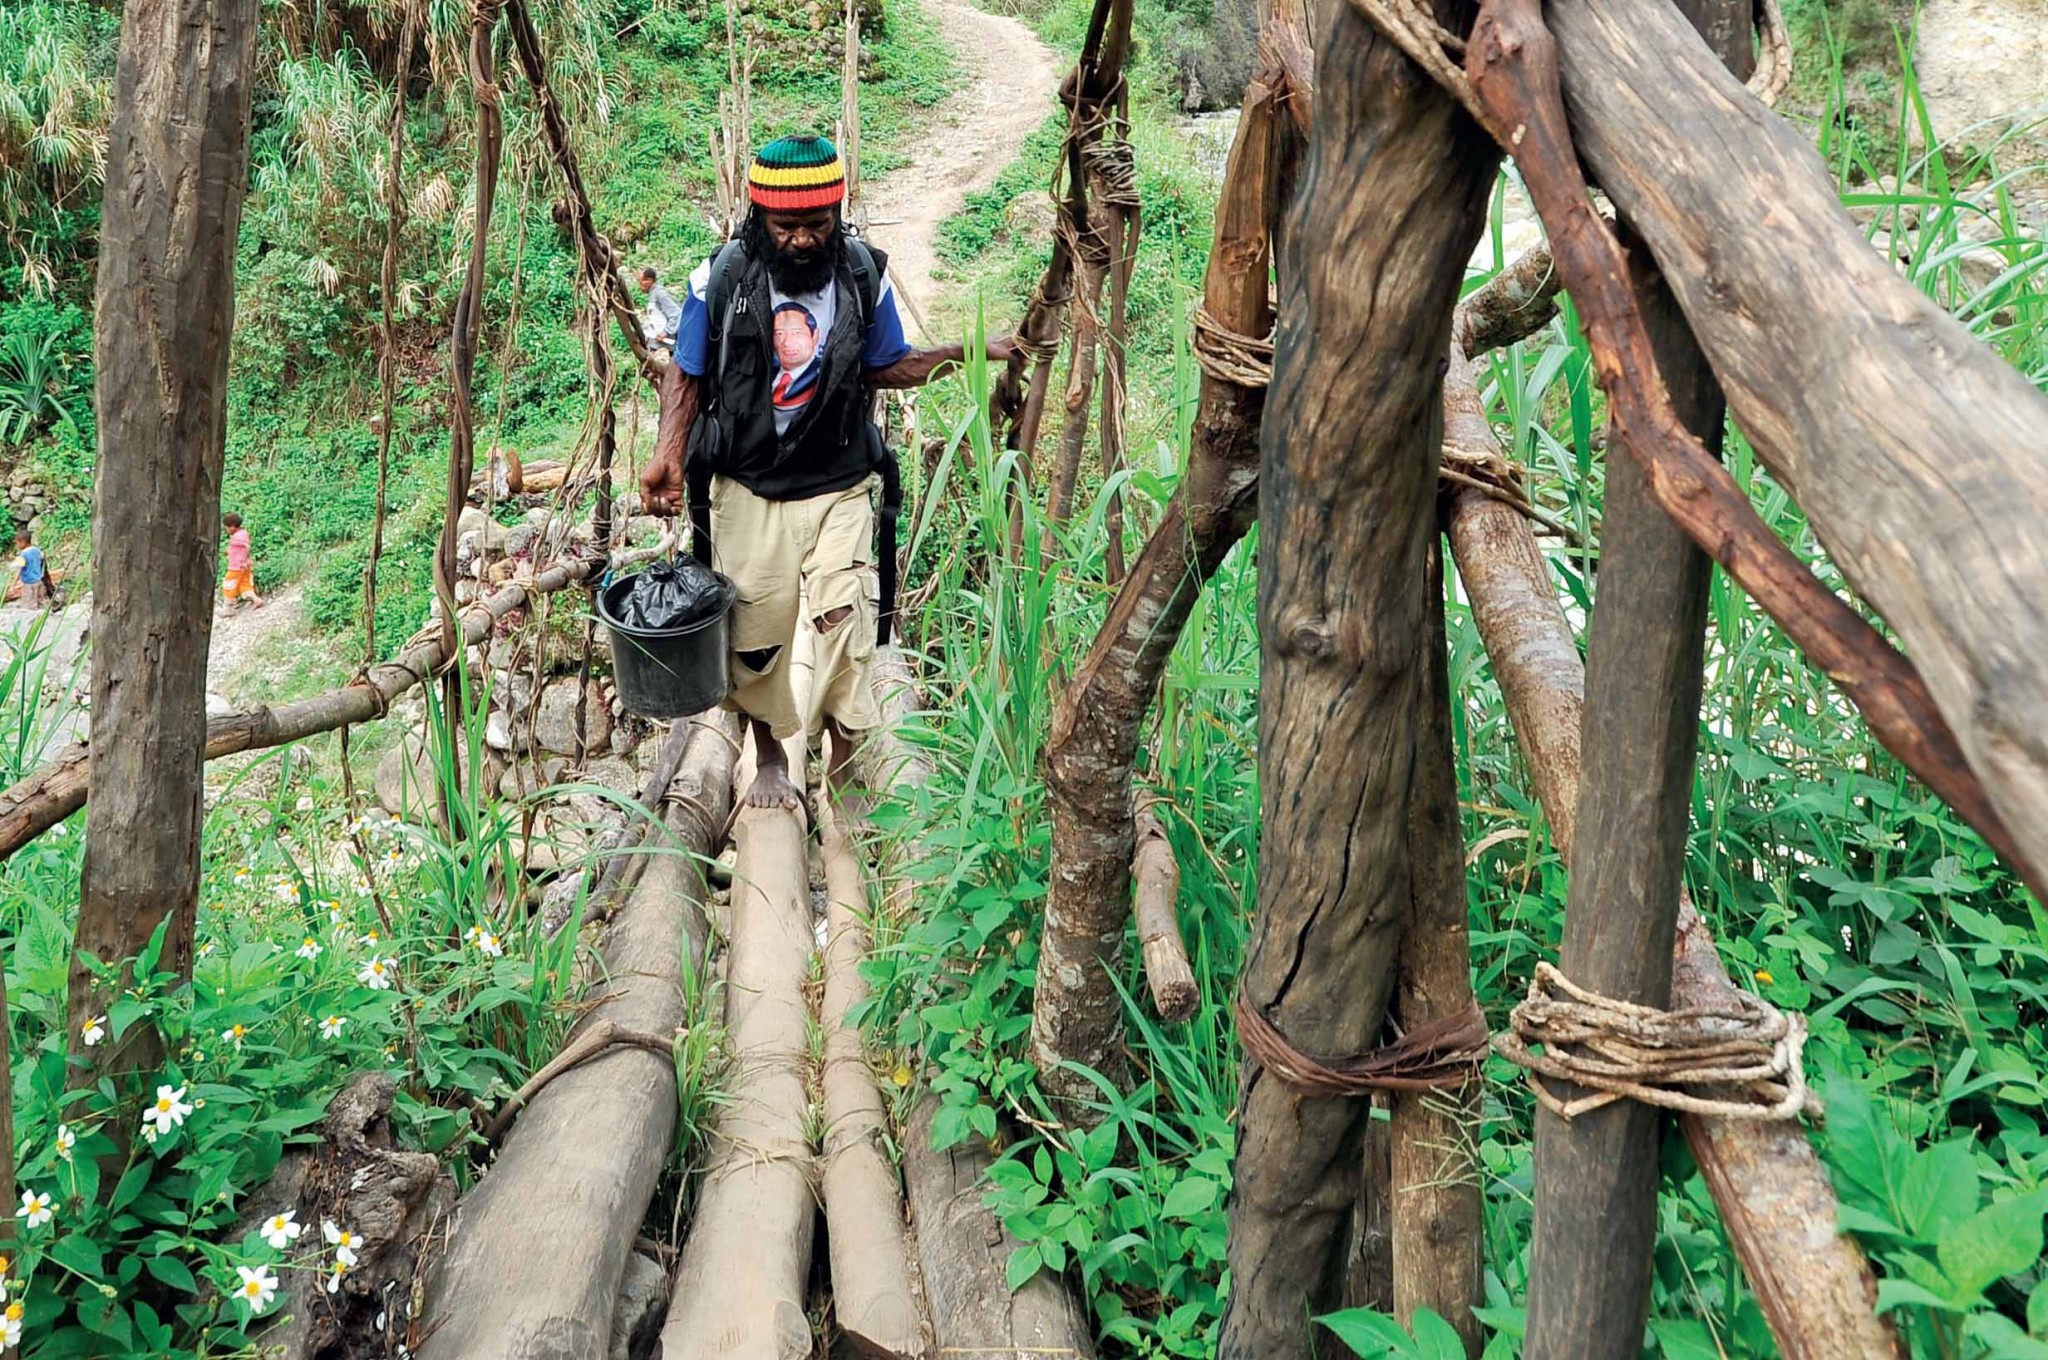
(673, 673)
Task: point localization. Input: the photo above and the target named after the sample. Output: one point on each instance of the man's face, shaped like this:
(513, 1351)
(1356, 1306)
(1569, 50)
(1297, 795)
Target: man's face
(646, 283)
(800, 234)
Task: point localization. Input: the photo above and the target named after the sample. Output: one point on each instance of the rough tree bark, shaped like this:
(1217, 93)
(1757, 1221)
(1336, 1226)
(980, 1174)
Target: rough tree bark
(176, 167)
(1914, 450)
(1389, 210)
(493, 1294)
(1076, 1013)
(1814, 1285)
(1597, 1176)
(964, 1250)
(1437, 1213)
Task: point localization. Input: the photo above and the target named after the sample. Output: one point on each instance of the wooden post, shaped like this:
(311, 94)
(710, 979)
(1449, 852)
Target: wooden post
(1597, 1176)
(1076, 1012)
(1437, 1213)
(1390, 208)
(177, 164)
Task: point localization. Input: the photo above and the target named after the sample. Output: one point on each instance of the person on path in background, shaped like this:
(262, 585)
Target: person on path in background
(31, 572)
(663, 320)
(240, 583)
(808, 330)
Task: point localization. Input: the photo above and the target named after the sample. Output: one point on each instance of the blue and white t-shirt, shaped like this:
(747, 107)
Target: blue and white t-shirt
(803, 326)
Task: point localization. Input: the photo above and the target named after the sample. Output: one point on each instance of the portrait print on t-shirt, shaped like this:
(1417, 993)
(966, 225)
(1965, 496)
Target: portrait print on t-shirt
(799, 359)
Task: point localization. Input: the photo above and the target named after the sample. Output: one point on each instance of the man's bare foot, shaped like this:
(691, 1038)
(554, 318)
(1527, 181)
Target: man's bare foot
(772, 789)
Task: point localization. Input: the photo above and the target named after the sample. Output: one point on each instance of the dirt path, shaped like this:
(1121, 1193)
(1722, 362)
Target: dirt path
(1011, 82)
(242, 638)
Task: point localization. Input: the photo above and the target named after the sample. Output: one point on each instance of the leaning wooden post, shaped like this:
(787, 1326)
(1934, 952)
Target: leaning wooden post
(1076, 1012)
(177, 163)
(1390, 208)
(1597, 1175)
(1438, 1218)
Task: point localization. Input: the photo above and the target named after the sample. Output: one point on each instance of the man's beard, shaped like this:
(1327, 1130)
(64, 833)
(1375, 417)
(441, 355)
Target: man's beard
(793, 272)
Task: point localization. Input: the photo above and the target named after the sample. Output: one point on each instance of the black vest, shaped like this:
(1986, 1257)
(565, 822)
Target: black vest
(827, 447)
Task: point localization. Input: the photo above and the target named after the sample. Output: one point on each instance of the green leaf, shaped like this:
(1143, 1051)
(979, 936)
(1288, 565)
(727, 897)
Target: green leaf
(1022, 1265)
(1190, 1195)
(1997, 1241)
(1684, 1339)
(1893, 1294)
(173, 1272)
(80, 1253)
(1370, 1334)
(1435, 1339)
(1938, 1190)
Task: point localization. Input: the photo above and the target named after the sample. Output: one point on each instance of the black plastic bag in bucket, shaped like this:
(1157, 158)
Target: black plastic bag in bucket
(668, 628)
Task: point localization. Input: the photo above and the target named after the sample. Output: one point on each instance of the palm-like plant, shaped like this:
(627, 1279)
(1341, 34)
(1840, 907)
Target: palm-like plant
(31, 387)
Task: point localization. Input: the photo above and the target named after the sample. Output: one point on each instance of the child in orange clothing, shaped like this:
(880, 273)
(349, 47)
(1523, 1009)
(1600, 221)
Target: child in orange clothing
(240, 583)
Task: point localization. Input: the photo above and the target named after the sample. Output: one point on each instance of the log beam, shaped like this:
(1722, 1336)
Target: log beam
(1914, 450)
(494, 1295)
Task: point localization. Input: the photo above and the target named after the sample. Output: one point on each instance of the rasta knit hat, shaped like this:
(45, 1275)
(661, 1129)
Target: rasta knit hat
(797, 173)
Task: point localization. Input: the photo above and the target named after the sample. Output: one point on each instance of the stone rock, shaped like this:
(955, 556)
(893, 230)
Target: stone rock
(558, 900)
(520, 779)
(610, 772)
(554, 723)
(471, 521)
(498, 731)
(406, 781)
(217, 707)
(1983, 68)
(639, 1310)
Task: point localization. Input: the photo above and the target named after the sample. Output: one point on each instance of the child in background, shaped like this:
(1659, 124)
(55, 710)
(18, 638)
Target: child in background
(34, 576)
(240, 583)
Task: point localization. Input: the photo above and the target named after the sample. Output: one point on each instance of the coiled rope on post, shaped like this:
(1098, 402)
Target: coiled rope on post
(1742, 1060)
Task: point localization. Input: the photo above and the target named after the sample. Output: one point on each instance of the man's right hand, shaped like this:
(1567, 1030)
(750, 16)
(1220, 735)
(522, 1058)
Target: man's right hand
(661, 486)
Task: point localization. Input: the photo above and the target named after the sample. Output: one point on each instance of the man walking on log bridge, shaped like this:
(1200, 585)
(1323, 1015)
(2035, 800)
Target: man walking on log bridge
(786, 335)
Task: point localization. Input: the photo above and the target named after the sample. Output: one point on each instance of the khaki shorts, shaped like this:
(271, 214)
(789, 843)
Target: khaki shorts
(786, 556)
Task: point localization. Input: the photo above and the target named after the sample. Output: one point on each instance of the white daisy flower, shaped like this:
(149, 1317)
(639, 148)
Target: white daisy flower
(149, 1134)
(342, 1240)
(206, 950)
(378, 974)
(258, 1288)
(66, 1140)
(284, 890)
(168, 1110)
(309, 949)
(234, 1034)
(335, 1271)
(489, 945)
(35, 1208)
(367, 940)
(10, 1326)
(241, 872)
(93, 1030)
(330, 1028)
(281, 1230)
(362, 885)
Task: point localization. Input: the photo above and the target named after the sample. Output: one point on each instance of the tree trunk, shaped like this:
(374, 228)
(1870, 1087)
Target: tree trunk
(1391, 206)
(176, 168)
(1168, 975)
(579, 1167)
(1914, 450)
(871, 1294)
(740, 1289)
(1597, 1176)
(1076, 1013)
(1438, 1248)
